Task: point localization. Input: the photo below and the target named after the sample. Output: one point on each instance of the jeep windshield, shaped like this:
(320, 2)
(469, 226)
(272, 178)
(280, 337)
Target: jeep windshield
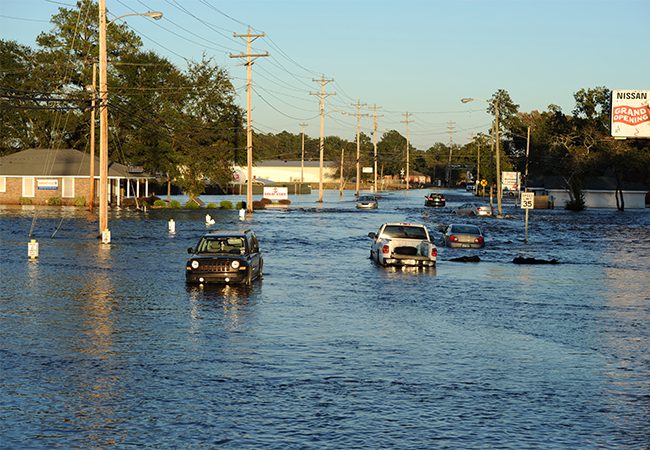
(221, 246)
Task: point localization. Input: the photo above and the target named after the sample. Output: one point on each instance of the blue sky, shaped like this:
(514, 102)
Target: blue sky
(415, 56)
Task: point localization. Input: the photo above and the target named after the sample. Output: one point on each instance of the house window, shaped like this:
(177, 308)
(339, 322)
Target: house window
(3, 184)
(68, 187)
(28, 187)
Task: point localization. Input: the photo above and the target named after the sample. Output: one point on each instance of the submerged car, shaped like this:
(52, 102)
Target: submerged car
(225, 257)
(434, 199)
(403, 244)
(474, 209)
(367, 202)
(463, 236)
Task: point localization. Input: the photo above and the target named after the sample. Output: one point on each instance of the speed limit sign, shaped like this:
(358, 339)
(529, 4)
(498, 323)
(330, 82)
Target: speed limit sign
(527, 200)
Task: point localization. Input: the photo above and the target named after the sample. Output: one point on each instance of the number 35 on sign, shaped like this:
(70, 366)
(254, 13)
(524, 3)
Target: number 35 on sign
(527, 200)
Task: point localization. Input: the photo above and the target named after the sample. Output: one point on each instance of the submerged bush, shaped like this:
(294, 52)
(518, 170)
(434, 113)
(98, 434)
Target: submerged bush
(159, 203)
(24, 200)
(226, 204)
(211, 206)
(258, 205)
(191, 205)
(79, 201)
(54, 201)
(241, 205)
(175, 204)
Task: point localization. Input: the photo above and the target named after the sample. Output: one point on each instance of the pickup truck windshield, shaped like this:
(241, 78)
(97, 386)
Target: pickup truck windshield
(404, 232)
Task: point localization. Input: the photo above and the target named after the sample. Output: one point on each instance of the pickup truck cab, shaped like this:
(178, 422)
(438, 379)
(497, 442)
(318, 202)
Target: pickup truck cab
(403, 244)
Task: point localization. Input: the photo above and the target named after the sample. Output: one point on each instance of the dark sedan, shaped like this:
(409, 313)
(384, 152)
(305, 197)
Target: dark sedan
(434, 199)
(463, 236)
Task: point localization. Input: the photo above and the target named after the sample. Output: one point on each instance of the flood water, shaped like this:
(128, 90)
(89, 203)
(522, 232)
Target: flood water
(105, 346)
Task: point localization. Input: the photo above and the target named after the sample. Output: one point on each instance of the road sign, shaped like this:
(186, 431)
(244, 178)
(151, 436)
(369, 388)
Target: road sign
(483, 182)
(527, 200)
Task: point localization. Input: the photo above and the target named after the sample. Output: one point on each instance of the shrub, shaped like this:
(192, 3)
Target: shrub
(175, 204)
(266, 201)
(79, 201)
(191, 205)
(145, 203)
(54, 201)
(24, 200)
(284, 201)
(258, 205)
(241, 205)
(211, 206)
(159, 203)
(226, 204)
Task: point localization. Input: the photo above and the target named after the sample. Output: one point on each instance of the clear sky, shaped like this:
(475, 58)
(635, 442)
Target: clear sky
(415, 56)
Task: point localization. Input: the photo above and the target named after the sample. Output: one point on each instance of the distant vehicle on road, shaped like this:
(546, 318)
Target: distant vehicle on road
(470, 187)
(225, 257)
(403, 244)
(474, 209)
(463, 236)
(434, 199)
(367, 202)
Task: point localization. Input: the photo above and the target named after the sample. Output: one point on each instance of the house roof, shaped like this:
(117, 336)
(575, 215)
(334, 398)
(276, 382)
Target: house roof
(44, 162)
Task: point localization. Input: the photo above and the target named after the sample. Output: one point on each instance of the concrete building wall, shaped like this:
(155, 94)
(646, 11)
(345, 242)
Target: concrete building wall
(601, 199)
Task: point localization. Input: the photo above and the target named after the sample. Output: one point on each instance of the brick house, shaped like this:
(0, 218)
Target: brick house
(41, 174)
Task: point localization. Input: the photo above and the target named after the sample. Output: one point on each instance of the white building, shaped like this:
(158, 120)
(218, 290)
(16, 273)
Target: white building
(288, 171)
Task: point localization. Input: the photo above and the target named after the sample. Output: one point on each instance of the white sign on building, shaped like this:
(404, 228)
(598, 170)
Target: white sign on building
(630, 115)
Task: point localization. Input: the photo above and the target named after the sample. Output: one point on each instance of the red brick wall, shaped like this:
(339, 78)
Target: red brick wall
(14, 190)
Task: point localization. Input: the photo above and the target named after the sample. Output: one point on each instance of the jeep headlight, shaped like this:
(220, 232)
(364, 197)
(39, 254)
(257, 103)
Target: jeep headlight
(195, 264)
(235, 264)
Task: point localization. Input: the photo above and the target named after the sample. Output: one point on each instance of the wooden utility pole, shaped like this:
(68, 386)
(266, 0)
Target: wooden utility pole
(451, 129)
(407, 149)
(375, 107)
(302, 160)
(322, 95)
(359, 115)
(92, 140)
(249, 123)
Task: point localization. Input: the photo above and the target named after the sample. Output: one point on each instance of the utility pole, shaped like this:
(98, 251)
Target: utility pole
(407, 149)
(359, 115)
(451, 130)
(92, 141)
(375, 107)
(322, 94)
(249, 123)
(302, 160)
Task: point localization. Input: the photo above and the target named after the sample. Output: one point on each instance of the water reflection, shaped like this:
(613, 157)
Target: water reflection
(231, 301)
(405, 272)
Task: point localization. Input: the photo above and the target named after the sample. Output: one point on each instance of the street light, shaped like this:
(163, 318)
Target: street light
(103, 116)
(496, 116)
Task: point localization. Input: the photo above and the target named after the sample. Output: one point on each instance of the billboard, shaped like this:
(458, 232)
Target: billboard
(510, 181)
(630, 115)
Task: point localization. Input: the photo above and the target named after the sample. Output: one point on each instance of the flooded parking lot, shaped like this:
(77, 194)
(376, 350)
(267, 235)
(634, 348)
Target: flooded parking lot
(106, 346)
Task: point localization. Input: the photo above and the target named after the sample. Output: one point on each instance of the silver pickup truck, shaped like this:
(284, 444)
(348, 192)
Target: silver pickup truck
(403, 244)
